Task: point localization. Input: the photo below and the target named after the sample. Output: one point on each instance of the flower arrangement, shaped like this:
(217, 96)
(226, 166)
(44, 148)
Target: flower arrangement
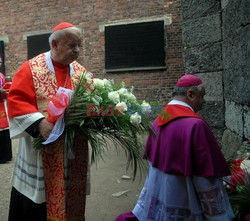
(104, 112)
(238, 188)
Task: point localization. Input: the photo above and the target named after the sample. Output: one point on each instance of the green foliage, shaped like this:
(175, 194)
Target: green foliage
(240, 201)
(238, 188)
(93, 113)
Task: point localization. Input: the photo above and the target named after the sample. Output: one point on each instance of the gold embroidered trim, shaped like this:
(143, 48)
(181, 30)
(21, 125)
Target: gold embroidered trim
(45, 83)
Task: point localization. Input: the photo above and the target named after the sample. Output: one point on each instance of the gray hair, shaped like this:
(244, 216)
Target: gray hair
(181, 91)
(58, 35)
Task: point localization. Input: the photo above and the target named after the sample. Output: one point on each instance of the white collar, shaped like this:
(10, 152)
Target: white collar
(50, 65)
(174, 102)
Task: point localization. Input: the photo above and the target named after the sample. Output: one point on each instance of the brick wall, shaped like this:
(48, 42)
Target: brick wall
(20, 17)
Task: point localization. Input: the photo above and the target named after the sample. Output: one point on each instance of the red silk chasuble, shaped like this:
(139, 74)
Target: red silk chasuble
(62, 204)
(33, 86)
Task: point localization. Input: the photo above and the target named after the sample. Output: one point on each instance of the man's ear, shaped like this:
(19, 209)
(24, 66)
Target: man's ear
(190, 95)
(54, 44)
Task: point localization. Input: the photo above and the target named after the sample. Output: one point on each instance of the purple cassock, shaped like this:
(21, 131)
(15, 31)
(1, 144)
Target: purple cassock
(129, 216)
(186, 147)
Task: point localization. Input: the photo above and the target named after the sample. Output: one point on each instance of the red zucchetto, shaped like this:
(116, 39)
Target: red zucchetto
(188, 80)
(62, 25)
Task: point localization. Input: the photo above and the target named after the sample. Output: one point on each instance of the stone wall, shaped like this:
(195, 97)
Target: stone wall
(236, 75)
(19, 18)
(216, 38)
(202, 40)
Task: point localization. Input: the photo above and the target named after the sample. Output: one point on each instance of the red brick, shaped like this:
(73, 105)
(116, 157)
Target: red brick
(21, 16)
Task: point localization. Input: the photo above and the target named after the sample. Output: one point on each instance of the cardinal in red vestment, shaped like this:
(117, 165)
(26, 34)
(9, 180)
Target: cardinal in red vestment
(41, 190)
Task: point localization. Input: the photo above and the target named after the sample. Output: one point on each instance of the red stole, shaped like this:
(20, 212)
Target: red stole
(172, 112)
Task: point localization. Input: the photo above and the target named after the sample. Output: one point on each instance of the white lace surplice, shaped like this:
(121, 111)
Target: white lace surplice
(28, 177)
(167, 197)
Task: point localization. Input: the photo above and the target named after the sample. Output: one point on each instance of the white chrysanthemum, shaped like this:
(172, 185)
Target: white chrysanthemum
(88, 77)
(114, 97)
(121, 106)
(98, 83)
(245, 165)
(145, 108)
(131, 97)
(123, 84)
(135, 119)
(107, 83)
(123, 91)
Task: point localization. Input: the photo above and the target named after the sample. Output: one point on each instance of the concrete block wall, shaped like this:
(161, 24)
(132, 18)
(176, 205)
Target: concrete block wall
(202, 40)
(21, 17)
(236, 75)
(216, 38)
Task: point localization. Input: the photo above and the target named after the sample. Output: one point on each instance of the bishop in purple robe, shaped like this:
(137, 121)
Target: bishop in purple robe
(186, 164)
